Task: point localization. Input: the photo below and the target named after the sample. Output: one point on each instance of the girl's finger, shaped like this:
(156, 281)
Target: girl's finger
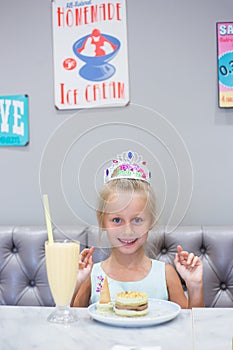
(88, 258)
(84, 251)
(179, 248)
(195, 261)
(190, 258)
(182, 252)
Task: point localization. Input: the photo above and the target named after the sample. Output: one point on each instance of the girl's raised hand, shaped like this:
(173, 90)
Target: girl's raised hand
(189, 266)
(85, 263)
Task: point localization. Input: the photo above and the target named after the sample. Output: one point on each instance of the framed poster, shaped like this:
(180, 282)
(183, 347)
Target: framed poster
(14, 120)
(90, 54)
(225, 63)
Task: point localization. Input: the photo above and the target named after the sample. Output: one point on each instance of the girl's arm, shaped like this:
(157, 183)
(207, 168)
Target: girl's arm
(190, 268)
(83, 284)
(82, 297)
(174, 286)
(176, 292)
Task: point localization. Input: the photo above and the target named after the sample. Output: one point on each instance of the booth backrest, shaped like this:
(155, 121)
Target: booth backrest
(23, 278)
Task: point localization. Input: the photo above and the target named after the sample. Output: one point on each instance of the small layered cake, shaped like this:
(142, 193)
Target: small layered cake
(131, 304)
(104, 304)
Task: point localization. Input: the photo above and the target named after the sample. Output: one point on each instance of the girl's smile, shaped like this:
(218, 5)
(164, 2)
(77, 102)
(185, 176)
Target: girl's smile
(127, 242)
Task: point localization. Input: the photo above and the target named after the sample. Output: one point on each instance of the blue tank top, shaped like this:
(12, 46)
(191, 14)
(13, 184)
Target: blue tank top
(154, 284)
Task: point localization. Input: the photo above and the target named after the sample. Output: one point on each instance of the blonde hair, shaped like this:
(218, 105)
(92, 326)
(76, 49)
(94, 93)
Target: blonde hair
(126, 185)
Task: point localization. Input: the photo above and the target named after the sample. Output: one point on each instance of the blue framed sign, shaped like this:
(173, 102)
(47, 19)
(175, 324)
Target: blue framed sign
(14, 120)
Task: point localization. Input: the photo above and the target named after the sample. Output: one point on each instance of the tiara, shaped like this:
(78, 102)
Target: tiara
(128, 165)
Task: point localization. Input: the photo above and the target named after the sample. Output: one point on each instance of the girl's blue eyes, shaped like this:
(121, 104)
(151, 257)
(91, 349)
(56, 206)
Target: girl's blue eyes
(118, 220)
(137, 220)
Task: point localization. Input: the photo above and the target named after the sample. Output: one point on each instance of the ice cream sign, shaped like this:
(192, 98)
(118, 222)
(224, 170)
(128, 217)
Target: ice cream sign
(90, 54)
(14, 120)
(225, 63)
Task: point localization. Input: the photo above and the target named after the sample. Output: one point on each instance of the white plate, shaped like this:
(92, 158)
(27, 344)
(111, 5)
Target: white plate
(160, 311)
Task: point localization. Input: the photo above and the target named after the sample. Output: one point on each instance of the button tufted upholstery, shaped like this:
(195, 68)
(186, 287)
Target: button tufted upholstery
(214, 245)
(23, 279)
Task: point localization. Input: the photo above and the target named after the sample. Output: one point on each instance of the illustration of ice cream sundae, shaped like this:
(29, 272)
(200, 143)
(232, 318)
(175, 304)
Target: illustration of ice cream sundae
(96, 50)
(97, 45)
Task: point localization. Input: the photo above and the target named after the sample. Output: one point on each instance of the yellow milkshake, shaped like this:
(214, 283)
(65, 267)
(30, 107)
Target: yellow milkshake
(62, 267)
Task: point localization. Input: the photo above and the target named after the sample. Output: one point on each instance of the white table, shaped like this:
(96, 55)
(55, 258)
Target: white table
(26, 328)
(212, 328)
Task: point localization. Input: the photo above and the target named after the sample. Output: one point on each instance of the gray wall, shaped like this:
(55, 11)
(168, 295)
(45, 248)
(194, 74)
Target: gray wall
(173, 117)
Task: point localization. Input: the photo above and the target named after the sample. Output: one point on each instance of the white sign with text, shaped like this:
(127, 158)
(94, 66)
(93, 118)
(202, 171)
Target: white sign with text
(90, 54)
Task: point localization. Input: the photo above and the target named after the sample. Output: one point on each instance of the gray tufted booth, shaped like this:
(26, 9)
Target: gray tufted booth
(23, 279)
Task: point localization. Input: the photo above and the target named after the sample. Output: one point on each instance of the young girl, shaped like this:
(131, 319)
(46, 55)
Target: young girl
(126, 211)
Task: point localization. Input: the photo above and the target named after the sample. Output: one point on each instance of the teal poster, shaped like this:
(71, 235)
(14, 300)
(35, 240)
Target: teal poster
(14, 120)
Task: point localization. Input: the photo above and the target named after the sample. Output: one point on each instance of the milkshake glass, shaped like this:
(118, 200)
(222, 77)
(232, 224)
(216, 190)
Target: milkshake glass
(62, 257)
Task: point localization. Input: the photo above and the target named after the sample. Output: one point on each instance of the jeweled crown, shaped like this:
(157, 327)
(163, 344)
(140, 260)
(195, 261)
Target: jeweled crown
(128, 165)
